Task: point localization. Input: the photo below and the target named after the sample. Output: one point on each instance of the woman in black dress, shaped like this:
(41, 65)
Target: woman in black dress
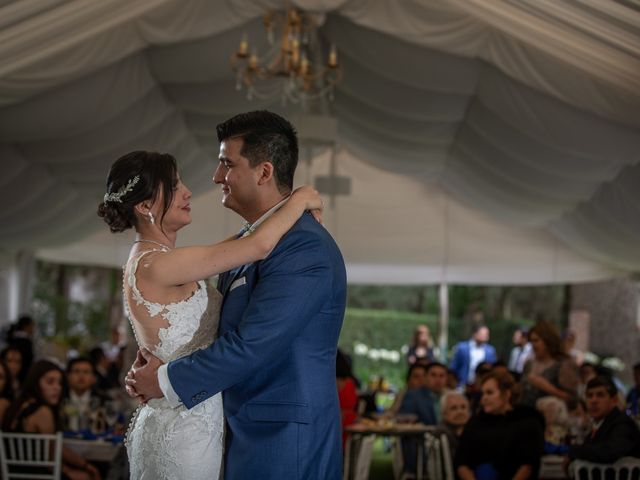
(504, 440)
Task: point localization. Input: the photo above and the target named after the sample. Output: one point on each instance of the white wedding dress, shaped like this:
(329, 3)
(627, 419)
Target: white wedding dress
(176, 443)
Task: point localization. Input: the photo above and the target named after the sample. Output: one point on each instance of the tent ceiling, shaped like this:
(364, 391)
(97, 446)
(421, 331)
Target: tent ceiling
(523, 115)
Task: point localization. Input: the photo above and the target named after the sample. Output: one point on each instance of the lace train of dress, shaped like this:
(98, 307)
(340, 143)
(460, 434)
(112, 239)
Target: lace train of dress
(176, 443)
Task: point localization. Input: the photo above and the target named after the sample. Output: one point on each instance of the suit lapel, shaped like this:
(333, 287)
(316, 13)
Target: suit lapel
(227, 278)
(231, 276)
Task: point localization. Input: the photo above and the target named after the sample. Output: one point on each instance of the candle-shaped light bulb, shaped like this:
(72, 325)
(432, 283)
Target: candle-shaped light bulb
(295, 51)
(244, 46)
(253, 61)
(304, 65)
(333, 56)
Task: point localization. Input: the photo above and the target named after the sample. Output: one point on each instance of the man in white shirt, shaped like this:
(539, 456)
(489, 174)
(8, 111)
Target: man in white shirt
(467, 355)
(82, 401)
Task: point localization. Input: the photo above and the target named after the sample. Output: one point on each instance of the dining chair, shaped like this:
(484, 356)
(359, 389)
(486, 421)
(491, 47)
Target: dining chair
(438, 456)
(363, 458)
(447, 461)
(627, 468)
(23, 453)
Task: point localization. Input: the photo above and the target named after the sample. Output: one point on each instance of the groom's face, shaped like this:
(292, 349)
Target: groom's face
(238, 179)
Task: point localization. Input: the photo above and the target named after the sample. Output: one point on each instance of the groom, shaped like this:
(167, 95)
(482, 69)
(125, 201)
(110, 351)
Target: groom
(274, 359)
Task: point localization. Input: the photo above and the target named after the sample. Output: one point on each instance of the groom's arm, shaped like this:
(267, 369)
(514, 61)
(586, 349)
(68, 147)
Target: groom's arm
(295, 281)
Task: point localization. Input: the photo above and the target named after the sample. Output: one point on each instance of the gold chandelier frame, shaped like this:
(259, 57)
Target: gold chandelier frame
(296, 61)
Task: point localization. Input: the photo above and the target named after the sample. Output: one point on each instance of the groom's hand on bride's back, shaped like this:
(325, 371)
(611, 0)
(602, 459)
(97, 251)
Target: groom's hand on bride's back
(141, 381)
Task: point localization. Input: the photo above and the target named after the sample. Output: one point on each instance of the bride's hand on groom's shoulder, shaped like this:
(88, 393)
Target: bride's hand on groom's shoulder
(311, 200)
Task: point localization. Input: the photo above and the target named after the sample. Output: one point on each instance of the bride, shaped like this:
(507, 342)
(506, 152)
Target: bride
(172, 309)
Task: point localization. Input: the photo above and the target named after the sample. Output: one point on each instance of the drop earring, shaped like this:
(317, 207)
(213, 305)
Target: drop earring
(151, 219)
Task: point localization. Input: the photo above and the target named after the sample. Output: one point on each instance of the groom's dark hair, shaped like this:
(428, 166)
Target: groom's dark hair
(267, 137)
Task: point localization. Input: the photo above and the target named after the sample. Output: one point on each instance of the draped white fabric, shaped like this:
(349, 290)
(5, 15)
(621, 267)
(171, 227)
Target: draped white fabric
(486, 141)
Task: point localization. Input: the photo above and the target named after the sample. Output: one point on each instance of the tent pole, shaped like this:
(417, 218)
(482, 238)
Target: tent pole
(443, 321)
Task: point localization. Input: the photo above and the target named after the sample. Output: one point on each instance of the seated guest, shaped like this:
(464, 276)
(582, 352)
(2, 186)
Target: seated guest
(36, 410)
(633, 397)
(6, 389)
(504, 440)
(614, 435)
(416, 379)
(82, 401)
(106, 371)
(420, 402)
(452, 380)
(501, 366)
(455, 412)
(473, 391)
(12, 357)
(20, 335)
(436, 383)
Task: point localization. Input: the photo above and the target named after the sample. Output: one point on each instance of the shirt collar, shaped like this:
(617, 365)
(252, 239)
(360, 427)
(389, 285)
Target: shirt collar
(84, 398)
(250, 227)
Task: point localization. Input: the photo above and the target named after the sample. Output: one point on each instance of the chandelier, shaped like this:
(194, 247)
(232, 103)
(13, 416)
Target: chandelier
(293, 68)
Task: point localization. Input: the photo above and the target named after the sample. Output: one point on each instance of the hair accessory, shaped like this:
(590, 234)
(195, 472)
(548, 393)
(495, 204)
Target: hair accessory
(122, 191)
(151, 219)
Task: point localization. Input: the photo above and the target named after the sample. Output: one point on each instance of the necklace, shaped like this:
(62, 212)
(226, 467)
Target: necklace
(153, 241)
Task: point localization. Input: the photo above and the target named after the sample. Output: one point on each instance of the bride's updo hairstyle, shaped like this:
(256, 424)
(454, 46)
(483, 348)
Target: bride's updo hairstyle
(134, 178)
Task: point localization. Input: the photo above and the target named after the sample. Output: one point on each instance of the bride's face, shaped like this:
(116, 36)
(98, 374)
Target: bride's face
(179, 213)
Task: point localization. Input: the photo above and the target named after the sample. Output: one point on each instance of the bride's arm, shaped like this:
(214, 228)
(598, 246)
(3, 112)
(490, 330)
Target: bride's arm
(188, 264)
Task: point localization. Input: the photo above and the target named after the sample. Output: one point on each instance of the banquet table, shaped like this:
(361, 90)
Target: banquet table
(97, 450)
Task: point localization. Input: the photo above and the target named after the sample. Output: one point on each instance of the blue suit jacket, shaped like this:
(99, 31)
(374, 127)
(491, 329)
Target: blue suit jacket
(275, 360)
(461, 359)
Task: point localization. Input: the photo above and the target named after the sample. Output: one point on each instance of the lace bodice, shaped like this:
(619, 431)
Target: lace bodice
(191, 323)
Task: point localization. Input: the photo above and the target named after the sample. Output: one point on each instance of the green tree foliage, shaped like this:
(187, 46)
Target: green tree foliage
(383, 319)
(71, 323)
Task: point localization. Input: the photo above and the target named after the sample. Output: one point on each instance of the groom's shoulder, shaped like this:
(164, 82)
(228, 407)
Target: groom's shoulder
(307, 230)
(307, 223)
(309, 227)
